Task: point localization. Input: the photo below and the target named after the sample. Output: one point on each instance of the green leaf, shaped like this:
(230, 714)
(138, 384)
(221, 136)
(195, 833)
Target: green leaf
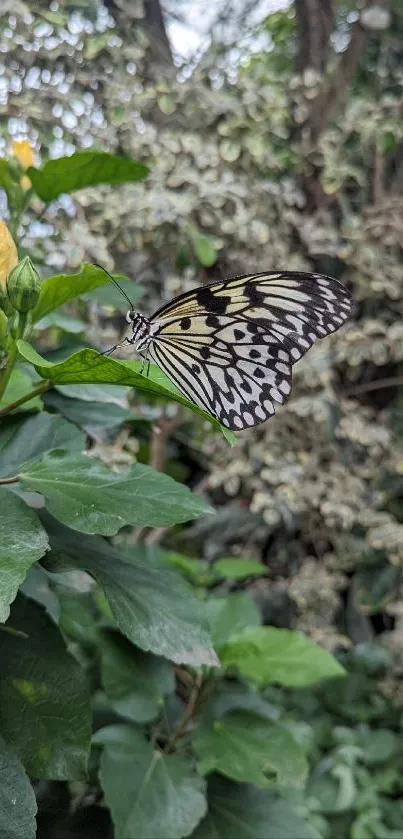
(134, 681)
(245, 812)
(23, 540)
(153, 606)
(77, 619)
(24, 440)
(107, 394)
(109, 295)
(44, 703)
(205, 251)
(89, 366)
(36, 587)
(151, 795)
(378, 746)
(231, 695)
(95, 419)
(84, 494)
(83, 169)
(60, 288)
(17, 798)
(247, 748)
(64, 321)
(232, 568)
(267, 654)
(230, 615)
(6, 179)
(19, 385)
(195, 570)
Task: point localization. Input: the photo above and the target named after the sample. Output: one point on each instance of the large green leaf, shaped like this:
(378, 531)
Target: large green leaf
(23, 440)
(83, 493)
(19, 385)
(83, 169)
(247, 748)
(17, 798)
(229, 615)
(153, 606)
(90, 367)
(97, 420)
(134, 681)
(60, 288)
(44, 702)
(241, 811)
(23, 540)
(267, 654)
(234, 568)
(107, 394)
(151, 795)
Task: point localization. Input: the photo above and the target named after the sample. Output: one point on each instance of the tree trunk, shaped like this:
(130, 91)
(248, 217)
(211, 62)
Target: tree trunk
(315, 22)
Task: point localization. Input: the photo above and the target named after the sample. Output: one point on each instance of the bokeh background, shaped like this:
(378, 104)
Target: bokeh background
(274, 135)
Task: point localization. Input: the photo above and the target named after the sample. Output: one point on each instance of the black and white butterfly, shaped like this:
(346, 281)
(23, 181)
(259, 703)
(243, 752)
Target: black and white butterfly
(230, 346)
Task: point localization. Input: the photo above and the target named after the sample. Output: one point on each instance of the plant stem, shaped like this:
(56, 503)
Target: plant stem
(8, 369)
(187, 716)
(40, 388)
(13, 480)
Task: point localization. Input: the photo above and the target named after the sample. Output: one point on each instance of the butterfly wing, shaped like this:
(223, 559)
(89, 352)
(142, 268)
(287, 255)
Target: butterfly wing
(229, 346)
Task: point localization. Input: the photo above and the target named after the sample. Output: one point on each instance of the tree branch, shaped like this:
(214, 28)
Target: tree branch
(315, 22)
(162, 431)
(376, 384)
(334, 89)
(331, 97)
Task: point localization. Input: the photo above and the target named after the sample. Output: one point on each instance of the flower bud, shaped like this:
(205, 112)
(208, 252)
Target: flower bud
(5, 305)
(8, 254)
(23, 152)
(23, 286)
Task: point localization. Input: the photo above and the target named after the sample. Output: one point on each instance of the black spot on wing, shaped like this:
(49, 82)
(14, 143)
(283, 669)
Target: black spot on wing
(213, 321)
(211, 302)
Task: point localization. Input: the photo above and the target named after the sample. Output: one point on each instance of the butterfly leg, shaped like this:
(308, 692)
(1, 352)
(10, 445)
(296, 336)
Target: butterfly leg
(112, 349)
(146, 361)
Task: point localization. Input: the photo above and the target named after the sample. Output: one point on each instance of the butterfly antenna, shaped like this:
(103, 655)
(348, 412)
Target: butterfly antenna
(115, 283)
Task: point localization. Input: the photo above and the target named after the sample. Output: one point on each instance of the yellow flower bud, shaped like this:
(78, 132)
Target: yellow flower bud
(23, 150)
(8, 254)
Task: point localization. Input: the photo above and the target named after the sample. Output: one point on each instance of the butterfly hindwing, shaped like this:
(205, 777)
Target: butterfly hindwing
(235, 380)
(230, 346)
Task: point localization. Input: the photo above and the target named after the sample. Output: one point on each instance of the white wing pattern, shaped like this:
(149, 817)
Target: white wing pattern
(229, 346)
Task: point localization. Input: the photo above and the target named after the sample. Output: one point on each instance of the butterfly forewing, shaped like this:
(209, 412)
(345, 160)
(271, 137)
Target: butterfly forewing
(229, 346)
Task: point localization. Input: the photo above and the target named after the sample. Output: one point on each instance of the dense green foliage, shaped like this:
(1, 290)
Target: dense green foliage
(240, 674)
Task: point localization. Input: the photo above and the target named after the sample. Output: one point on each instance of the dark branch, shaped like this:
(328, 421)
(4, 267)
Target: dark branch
(315, 23)
(331, 98)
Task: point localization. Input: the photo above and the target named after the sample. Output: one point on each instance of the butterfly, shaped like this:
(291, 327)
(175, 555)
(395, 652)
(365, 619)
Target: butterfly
(230, 346)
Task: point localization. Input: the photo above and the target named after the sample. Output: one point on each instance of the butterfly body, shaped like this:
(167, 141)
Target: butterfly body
(229, 346)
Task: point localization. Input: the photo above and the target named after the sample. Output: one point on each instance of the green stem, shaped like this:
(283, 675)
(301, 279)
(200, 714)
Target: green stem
(8, 369)
(23, 322)
(40, 388)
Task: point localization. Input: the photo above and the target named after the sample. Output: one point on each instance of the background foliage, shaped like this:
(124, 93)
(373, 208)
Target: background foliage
(281, 147)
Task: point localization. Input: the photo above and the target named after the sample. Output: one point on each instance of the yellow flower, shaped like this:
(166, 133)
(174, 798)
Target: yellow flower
(23, 150)
(8, 254)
